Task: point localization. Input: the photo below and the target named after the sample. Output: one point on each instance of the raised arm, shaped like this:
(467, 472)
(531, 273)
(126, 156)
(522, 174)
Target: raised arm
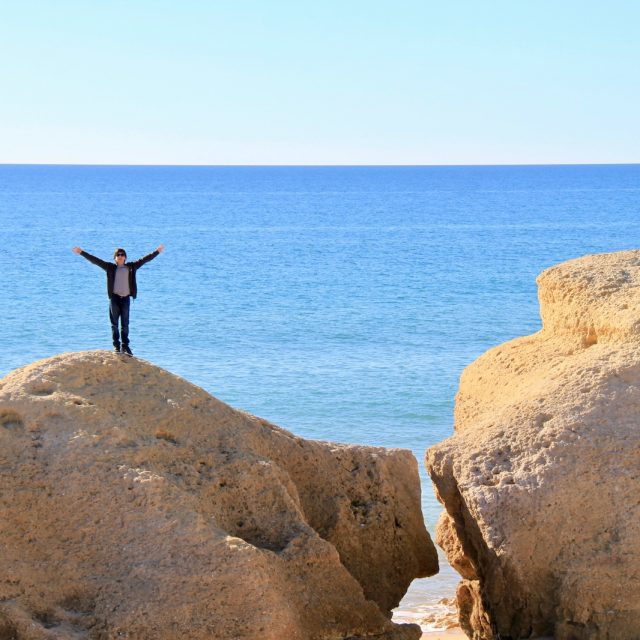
(138, 263)
(103, 264)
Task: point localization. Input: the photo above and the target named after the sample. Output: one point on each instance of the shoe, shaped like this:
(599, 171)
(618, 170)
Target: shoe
(117, 348)
(126, 350)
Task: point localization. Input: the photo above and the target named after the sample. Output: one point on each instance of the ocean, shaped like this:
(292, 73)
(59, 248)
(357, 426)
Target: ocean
(341, 303)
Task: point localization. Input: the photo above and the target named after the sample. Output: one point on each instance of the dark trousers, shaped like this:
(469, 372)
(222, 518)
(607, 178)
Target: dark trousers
(119, 312)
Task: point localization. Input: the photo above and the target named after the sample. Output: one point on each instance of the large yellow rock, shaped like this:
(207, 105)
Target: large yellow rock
(133, 504)
(541, 480)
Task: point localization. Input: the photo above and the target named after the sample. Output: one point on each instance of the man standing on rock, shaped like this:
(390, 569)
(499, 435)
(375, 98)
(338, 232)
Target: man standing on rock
(121, 287)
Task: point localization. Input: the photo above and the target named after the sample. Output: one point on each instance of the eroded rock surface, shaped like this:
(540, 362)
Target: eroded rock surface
(541, 478)
(134, 504)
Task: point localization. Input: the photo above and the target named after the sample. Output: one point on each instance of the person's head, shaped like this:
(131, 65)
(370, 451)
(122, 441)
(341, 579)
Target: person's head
(120, 256)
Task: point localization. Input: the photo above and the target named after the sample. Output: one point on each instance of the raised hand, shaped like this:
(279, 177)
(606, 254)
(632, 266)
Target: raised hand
(77, 250)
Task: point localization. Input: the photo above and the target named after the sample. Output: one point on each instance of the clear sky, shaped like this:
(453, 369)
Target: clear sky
(320, 81)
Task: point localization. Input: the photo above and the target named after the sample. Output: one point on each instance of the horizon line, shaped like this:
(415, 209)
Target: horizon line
(321, 165)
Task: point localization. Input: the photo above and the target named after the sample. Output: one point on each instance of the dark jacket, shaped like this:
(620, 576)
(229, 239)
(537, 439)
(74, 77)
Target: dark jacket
(110, 268)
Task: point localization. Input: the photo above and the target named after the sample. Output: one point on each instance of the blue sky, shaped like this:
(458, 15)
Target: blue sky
(332, 82)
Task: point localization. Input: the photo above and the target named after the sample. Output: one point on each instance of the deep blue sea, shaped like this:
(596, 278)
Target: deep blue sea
(341, 303)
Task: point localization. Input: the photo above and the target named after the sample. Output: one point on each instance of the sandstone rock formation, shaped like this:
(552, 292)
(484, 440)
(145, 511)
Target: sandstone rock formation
(541, 479)
(135, 505)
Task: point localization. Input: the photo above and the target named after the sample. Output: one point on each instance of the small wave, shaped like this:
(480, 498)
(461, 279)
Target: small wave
(437, 616)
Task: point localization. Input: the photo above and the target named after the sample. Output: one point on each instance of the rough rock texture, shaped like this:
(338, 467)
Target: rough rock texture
(541, 481)
(133, 504)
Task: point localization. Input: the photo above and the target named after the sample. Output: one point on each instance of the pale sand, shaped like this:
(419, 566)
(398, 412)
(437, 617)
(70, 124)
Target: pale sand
(449, 634)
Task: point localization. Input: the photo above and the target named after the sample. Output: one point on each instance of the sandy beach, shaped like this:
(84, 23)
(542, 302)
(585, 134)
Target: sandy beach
(449, 634)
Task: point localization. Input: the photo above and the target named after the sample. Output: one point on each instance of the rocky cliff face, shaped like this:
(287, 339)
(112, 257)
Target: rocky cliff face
(133, 504)
(541, 480)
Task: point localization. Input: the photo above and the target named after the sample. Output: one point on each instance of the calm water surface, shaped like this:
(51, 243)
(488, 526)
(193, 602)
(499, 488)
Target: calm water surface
(341, 303)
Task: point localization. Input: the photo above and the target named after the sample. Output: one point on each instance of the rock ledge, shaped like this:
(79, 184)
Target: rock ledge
(136, 505)
(541, 480)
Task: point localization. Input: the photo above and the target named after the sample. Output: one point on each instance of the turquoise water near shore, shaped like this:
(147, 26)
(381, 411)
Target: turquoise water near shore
(341, 303)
